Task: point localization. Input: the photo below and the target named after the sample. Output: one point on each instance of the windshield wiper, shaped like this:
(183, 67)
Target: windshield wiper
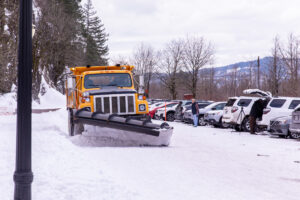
(111, 85)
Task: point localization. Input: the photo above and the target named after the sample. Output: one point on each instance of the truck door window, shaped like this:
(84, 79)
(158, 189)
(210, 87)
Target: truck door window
(294, 104)
(277, 103)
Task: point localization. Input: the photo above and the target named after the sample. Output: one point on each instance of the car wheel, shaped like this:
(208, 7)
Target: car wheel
(295, 135)
(170, 116)
(201, 121)
(283, 136)
(246, 124)
(237, 127)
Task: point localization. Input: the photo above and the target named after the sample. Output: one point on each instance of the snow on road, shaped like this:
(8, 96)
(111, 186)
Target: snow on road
(201, 163)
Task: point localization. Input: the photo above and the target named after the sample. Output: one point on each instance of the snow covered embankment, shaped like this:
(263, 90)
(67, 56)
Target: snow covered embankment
(201, 163)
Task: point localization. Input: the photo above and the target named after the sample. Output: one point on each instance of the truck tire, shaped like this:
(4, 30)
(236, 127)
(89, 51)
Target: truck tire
(170, 116)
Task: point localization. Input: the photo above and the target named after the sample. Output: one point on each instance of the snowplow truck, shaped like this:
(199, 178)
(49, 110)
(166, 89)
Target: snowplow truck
(105, 97)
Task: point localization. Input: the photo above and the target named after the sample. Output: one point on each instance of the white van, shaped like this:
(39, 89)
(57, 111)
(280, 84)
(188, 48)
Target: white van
(278, 107)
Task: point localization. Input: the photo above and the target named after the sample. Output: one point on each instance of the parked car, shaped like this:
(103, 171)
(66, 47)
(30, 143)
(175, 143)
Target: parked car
(169, 110)
(280, 126)
(188, 116)
(187, 112)
(237, 114)
(160, 105)
(214, 117)
(278, 107)
(295, 125)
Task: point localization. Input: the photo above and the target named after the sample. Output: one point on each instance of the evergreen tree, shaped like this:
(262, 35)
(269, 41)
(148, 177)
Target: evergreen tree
(94, 33)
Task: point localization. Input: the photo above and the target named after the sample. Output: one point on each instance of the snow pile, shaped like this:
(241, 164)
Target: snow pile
(8, 103)
(50, 99)
(258, 92)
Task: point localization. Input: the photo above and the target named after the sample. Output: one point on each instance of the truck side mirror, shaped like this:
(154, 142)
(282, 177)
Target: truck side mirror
(70, 83)
(142, 85)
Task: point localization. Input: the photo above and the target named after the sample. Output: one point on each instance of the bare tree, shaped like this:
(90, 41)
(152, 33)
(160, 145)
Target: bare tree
(170, 64)
(275, 68)
(197, 54)
(290, 57)
(145, 61)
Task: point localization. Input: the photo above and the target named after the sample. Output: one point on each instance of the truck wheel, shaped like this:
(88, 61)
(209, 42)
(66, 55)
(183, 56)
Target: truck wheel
(70, 122)
(295, 135)
(170, 116)
(246, 124)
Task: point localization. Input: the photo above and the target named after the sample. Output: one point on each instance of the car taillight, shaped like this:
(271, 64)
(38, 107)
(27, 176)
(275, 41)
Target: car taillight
(267, 110)
(234, 109)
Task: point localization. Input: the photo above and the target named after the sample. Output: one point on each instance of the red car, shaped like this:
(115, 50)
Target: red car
(152, 112)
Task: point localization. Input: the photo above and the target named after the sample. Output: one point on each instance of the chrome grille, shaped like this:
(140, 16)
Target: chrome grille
(118, 104)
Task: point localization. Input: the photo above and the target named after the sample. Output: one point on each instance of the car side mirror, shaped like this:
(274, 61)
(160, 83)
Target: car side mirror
(213, 109)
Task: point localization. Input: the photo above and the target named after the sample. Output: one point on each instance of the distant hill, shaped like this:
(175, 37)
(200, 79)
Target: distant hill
(243, 67)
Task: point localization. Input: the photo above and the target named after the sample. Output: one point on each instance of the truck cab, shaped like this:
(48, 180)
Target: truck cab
(105, 89)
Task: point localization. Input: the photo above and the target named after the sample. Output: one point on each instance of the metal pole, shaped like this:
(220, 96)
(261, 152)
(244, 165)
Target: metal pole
(23, 175)
(258, 73)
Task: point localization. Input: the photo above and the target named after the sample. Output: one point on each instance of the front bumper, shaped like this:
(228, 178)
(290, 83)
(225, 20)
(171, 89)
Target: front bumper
(211, 121)
(295, 128)
(279, 129)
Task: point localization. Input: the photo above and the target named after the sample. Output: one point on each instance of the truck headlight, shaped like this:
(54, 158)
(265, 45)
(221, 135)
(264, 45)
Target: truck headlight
(142, 107)
(85, 95)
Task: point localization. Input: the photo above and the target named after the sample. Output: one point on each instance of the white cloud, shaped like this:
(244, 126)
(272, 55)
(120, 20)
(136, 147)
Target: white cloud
(239, 29)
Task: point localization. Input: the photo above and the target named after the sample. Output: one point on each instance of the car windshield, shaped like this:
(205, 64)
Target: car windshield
(294, 104)
(277, 103)
(106, 80)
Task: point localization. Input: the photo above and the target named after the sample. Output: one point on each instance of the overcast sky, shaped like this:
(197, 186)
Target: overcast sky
(239, 29)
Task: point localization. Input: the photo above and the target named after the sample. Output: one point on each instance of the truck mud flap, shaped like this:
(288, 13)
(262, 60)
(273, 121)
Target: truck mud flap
(117, 122)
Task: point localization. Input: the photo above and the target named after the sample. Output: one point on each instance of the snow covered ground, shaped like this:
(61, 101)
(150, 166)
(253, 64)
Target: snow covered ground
(201, 163)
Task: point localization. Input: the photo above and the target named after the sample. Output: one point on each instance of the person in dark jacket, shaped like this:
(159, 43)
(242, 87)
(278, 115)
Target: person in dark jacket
(178, 111)
(195, 111)
(255, 113)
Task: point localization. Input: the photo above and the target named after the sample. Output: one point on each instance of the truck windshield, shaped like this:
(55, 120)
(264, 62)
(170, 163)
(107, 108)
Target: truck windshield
(107, 80)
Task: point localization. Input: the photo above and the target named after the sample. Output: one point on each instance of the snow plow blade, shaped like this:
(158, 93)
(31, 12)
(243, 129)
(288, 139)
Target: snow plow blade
(143, 132)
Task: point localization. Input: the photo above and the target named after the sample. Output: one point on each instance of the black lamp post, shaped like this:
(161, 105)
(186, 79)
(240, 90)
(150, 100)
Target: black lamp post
(23, 175)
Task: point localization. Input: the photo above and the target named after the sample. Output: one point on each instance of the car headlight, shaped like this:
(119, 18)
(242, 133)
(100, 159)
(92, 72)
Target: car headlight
(283, 121)
(142, 107)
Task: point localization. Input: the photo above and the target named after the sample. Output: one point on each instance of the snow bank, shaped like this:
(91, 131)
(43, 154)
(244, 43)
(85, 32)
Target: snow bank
(50, 99)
